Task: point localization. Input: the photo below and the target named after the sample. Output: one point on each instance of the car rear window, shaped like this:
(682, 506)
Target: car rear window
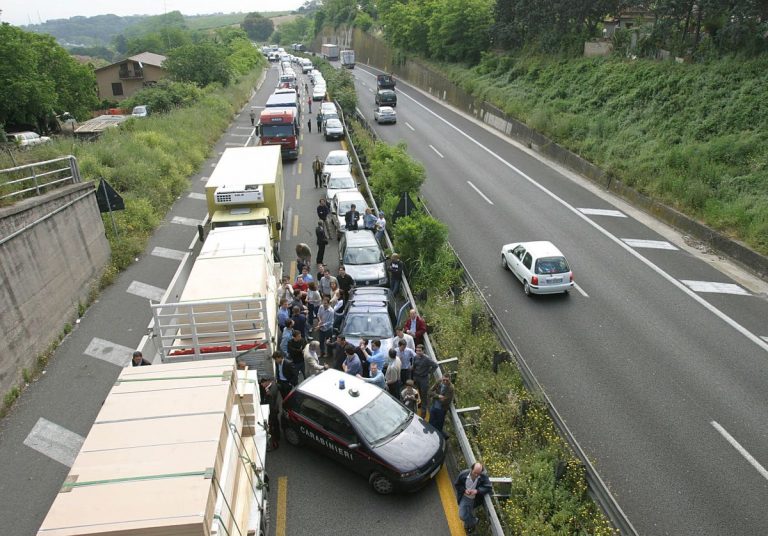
(336, 160)
(341, 182)
(551, 265)
(369, 325)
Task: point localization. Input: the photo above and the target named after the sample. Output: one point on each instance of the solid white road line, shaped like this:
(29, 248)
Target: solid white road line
(181, 220)
(196, 195)
(168, 253)
(54, 441)
(741, 450)
(233, 144)
(137, 288)
(695, 297)
(108, 351)
(409, 126)
(650, 244)
(581, 290)
(479, 192)
(602, 212)
(438, 152)
(715, 288)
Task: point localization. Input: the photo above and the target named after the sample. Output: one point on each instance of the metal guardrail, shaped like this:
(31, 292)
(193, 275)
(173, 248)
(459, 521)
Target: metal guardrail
(458, 426)
(37, 177)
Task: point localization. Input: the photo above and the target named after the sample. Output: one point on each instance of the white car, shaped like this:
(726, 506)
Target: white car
(339, 181)
(340, 204)
(334, 130)
(337, 160)
(318, 92)
(140, 111)
(28, 138)
(314, 74)
(384, 114)
(540, 266)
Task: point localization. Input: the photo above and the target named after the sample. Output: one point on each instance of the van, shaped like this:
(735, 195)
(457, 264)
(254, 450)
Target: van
(386, 97)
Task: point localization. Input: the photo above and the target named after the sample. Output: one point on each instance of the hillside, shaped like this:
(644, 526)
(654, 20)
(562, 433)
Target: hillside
(694, 136)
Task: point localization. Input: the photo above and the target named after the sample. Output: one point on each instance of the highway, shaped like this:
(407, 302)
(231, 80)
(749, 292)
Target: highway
(41, 436)
(657, 360)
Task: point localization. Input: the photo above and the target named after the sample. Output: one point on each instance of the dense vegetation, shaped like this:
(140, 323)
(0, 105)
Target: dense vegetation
(88, 31)
(38, 80)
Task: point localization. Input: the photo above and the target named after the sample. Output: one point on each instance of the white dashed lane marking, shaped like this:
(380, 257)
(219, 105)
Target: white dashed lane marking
(54, 441)
(181, 220)
(105, 350)
(650, 244)
(150, 292)
(436, 151)
(168, 253)
(409, 126)
(203, 179)
(602, 212)
(715, 287)
(196, 195)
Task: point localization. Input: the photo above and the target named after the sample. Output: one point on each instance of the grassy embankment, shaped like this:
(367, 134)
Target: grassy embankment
(693, 136)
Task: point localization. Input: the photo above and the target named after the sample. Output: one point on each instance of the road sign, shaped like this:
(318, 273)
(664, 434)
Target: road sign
(107, 198)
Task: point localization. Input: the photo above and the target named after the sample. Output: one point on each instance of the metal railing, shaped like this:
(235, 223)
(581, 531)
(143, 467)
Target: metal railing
(34, 179)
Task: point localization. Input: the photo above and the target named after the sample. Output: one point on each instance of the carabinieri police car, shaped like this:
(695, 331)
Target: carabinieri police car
(364, 428)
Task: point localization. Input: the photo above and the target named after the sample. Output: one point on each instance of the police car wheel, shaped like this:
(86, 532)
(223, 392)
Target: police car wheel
(292, 436)
(381, 484)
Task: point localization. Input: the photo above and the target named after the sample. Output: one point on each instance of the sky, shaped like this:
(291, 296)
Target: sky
(20, 12)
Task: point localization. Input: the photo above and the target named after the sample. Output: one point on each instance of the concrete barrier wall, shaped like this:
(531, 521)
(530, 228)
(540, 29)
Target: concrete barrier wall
(45, 269)
(375, 52)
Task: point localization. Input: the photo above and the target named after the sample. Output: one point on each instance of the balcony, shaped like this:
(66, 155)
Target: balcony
(135, 73)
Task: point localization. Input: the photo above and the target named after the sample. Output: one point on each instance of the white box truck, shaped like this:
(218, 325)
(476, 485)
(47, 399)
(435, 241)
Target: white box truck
(348, 58)
(330, 51)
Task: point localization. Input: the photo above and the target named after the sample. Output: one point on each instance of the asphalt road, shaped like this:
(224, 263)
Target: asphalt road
(656, 362)
(42, 435)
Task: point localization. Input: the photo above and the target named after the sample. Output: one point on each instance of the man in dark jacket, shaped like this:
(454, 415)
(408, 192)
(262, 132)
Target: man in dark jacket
(296, 352)
(286, 374)
(268, 391)
(441, 395)
(471, 486)
(346, 283)
(322, 240)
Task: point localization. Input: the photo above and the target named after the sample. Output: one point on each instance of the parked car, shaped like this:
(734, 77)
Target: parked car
(384, 114)
(386, 97)
(365, 429)
(337, 160)
(371, 315)
(340, 204)
(140, 111)
(27, 138)
(540, 266)
(334, 130)
(361, 255)
(339, 180)
(318, 92)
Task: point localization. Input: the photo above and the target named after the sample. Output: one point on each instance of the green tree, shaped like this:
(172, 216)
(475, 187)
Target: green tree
(296, 31)
(165, 96)
(243, 56)
(258, 27)
(38, 79)
(394, 172)
(201, 64)
(406, 25)
(459, 29)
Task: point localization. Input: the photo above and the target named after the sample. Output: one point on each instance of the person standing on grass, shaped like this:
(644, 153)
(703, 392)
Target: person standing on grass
(471, 486)
(441, 395)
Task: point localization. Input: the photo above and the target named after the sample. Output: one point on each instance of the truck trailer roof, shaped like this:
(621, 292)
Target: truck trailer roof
(246, 165)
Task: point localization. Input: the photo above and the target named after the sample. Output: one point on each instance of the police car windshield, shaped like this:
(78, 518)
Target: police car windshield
(382, 419)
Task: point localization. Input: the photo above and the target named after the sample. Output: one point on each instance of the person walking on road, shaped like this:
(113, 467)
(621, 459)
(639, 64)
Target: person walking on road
(252, 115)
(309, 126)
(309, 103)
(471, 486)
(319, 123)
(322, 240)
(317, 169)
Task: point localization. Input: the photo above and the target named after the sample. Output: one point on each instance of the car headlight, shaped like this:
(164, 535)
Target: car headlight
(382, 281)
(409, 474)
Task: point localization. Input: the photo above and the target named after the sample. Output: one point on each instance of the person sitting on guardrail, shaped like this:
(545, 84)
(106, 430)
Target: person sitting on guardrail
(471, 486)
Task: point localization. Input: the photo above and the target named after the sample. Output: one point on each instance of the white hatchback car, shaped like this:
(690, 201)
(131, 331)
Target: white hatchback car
(339, 180)
(540, 266)
(27, 138)
(341, 204)
(337, 160)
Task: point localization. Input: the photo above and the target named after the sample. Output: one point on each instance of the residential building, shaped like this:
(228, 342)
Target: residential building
(122, 79)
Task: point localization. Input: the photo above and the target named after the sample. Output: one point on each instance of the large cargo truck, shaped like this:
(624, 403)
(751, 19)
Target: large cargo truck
(227, 306)
(330, 51)
(175, 449)
(280, 126)
(348, 58)
(246, 188)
